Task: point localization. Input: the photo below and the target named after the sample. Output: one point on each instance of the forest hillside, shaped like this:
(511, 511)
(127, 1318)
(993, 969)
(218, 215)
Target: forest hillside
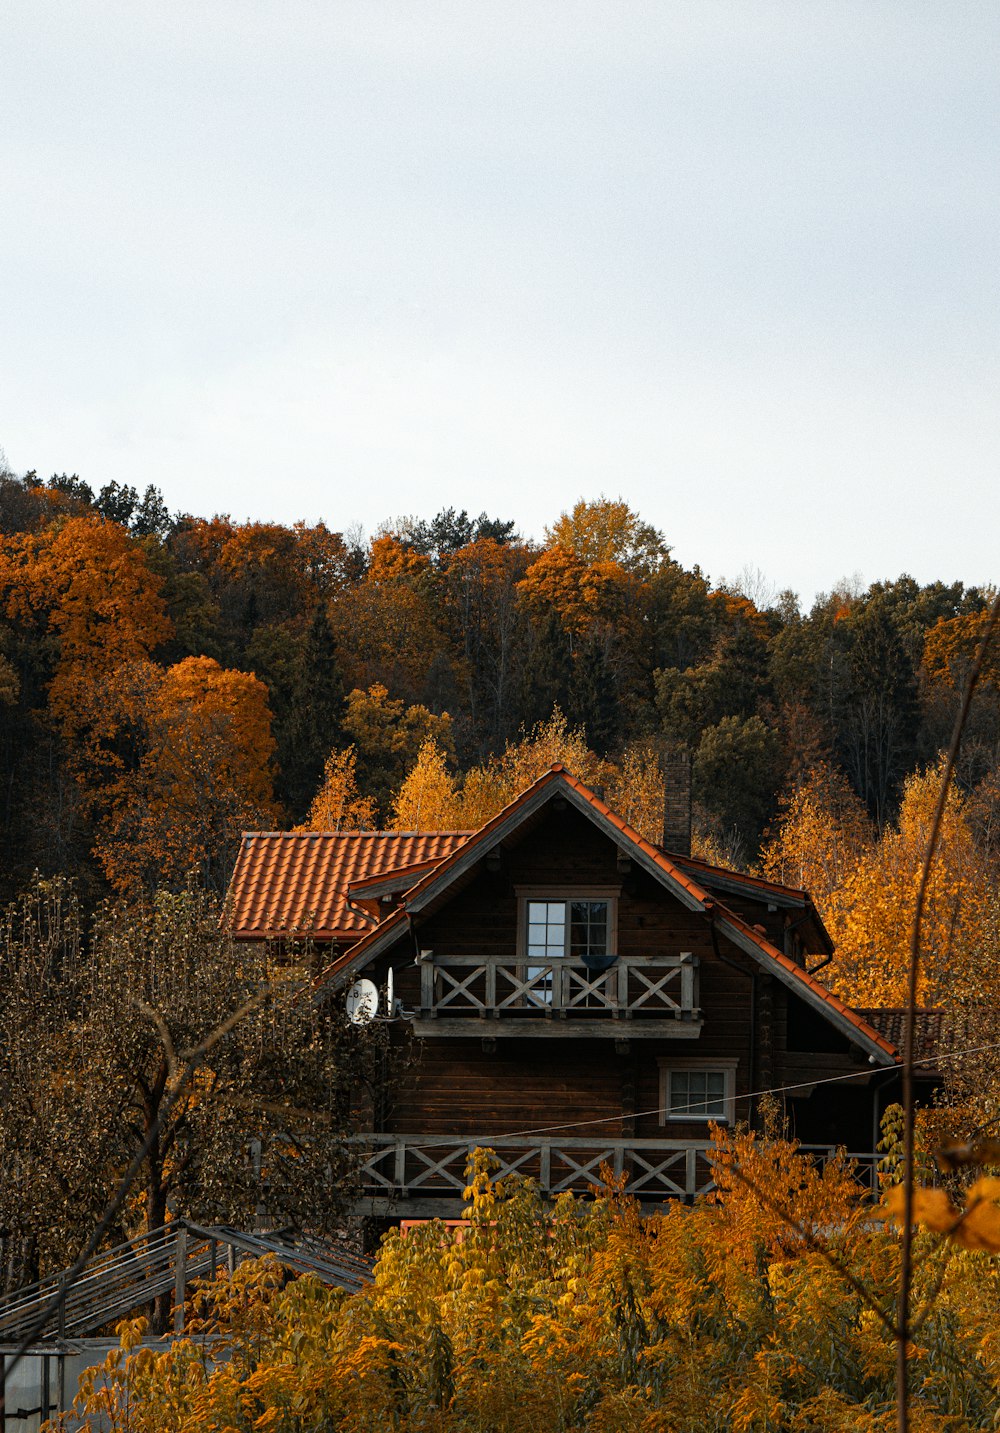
(168, 680)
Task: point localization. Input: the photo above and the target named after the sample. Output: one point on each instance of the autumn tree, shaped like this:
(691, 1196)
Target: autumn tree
(78, 602)
(585, 1314)
(182, 768)
(608, 531)
(434, 798)
(871, 915)
(338, 804)
(386, 626)
(822, 835)
(88, 587)
(92, 1035)
(388, 734)
(428, 799)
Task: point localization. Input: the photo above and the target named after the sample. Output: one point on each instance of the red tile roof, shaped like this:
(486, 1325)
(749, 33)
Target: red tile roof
(295, 882)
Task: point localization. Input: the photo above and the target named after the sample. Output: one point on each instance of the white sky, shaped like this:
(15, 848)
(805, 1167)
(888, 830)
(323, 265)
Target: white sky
(736, 262)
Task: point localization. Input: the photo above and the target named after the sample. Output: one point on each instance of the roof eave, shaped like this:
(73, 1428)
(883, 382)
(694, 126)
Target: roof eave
(877, 1050)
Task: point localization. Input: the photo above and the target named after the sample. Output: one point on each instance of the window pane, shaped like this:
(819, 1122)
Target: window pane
(699, 1094)
(546, 928)
(588, 928)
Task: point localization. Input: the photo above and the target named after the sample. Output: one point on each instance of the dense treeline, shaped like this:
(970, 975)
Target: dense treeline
(166, 680)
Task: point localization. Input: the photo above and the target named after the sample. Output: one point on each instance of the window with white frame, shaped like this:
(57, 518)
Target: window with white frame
(573, 927)
(696, 1091)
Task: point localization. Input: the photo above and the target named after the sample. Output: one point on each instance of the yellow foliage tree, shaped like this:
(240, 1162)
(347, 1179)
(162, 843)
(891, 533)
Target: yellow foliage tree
(821, 835)
(338, 804)
(582, 1314)
(488, 789)
(607, 530)
(872, 914)
(388, 735)
(428, 799)
(432, 799)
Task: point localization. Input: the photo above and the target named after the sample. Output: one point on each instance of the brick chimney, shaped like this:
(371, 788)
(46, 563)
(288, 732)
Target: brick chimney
(675, 766)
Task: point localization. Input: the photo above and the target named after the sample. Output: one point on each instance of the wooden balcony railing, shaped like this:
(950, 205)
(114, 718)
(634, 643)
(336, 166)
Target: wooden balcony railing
(425, 1175)
(404, 1166)
(519, 995)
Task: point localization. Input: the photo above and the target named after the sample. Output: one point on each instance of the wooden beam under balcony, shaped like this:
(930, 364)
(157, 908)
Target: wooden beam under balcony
(578, 1027)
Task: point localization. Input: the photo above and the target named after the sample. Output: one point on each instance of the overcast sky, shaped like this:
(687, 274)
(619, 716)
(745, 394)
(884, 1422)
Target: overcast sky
(735, 262)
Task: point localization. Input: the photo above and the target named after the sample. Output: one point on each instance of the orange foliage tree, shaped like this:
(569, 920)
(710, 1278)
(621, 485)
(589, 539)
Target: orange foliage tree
(386, 626)
(203, 742)
(86, 583)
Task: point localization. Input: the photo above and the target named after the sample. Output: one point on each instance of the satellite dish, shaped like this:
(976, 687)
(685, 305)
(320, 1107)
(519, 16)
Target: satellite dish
(390, 994)
(362, 1002)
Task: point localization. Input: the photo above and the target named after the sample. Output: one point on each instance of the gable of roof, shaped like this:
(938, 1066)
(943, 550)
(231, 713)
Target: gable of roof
(296, 883)
(557, 781)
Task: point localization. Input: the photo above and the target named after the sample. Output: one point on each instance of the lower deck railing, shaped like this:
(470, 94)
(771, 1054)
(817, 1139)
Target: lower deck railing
(436, 1165)
(654, 1169)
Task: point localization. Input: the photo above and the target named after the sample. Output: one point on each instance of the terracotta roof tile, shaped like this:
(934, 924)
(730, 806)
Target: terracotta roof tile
(295, 882)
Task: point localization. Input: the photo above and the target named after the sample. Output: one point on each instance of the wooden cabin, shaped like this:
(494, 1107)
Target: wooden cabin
(577, 996)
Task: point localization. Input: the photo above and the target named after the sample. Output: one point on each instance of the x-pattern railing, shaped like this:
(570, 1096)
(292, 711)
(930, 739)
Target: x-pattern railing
(654, 1169)
(469, 985)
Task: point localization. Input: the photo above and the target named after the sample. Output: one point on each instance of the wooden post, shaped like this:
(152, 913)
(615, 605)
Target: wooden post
(180, 1277)
(687, 986)
(427, 987)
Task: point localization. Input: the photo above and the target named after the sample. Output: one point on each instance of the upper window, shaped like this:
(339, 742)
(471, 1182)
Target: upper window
(577, 929)
(561, 930)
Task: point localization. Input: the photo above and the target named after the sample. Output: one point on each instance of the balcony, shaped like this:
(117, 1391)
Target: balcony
(637, 996)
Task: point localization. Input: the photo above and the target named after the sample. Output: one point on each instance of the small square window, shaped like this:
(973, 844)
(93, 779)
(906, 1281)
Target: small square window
(698, 1092)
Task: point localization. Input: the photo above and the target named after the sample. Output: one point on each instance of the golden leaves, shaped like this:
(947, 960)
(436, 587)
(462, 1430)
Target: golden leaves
(975, 1227)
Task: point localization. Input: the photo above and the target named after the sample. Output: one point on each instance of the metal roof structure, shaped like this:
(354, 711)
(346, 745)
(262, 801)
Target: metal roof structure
(120, 1280)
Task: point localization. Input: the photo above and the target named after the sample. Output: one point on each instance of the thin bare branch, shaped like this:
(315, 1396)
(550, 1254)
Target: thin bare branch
(903, 1326)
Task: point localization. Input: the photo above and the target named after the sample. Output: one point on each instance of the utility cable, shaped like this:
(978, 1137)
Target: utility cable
(440, 1141)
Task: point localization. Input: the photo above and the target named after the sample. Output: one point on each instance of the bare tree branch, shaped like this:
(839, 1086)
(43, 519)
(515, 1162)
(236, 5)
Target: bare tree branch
(903, 1324)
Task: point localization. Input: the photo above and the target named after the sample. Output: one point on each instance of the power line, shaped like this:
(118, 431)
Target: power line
(440, 1140)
